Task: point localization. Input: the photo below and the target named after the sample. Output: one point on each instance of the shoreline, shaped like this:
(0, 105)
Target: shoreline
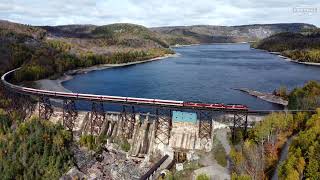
(184, 45)
(187, 45)
(264, 96)
(56, 84)
(291, 60)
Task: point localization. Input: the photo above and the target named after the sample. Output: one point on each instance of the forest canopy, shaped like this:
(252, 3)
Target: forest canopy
(34, 150)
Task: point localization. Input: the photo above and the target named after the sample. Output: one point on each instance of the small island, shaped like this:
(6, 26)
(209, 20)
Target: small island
(265, 96)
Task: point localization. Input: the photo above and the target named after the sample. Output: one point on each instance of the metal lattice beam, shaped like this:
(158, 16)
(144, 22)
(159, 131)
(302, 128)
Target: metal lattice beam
(98, 117)
(69, 114)
(128, 121)
(163, 125)
(45, 108)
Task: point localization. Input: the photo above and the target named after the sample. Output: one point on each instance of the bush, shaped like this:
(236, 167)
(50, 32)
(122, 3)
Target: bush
(88, 141)
(125, 145)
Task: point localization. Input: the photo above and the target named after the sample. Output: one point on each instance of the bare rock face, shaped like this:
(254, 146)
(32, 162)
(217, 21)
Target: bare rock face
(112, 163)
(115, 165)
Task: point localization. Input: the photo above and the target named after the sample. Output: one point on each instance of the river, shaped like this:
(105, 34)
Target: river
(206, 73)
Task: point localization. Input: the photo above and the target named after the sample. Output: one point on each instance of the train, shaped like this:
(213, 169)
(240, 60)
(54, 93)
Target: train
(119, 99)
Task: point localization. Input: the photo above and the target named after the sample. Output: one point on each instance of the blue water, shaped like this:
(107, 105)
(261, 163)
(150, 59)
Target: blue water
(206, 73)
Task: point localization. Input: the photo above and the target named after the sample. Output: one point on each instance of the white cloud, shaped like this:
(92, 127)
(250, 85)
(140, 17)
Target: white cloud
(157, 13)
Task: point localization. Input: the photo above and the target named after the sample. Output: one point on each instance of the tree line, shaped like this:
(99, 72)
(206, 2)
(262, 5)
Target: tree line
(303, 47)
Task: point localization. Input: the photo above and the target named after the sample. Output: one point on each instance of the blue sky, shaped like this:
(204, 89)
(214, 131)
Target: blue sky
(160, 12)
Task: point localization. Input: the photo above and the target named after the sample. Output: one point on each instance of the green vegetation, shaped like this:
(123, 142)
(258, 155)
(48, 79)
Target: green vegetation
(59, 45)
(219, 153)
(305, 55)
(202, 177)
(34, 150)
(234, 176)
(257, 156)
(307, 97)
(186, 173)
(303, 47)
(282, 92)
(123, 143)
(88, 141)
(304, 153)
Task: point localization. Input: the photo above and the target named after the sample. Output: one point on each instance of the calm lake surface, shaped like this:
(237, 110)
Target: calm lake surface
(206, 73)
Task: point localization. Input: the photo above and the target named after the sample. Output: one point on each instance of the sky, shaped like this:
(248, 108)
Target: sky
(153, 13)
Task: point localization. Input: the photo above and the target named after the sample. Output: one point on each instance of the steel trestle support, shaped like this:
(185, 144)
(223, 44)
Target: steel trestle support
(163, 125)
(240, 120)
(128, 119)
(97, 118)
(69, 114)
(45, 108)
(205, 125)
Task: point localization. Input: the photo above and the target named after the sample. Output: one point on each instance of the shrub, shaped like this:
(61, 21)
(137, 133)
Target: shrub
(125, 145)
(88, 141)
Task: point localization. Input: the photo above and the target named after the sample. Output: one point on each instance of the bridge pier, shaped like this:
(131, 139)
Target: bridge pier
(45, 108)
(97, 118)
(69, 114)
(205, 126)
(163, 125)
(240, 119)
(128, 118)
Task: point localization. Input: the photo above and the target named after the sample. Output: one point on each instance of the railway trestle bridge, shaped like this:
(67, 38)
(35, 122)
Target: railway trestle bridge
(25, 98)
(162, 109)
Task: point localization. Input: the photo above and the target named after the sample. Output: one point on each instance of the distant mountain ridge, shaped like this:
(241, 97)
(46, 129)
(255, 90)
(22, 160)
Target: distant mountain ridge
(196, 34)
(221, 34)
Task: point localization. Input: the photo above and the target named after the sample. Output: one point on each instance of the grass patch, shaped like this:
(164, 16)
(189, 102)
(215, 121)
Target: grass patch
(123, 143)
(92, 142)
(202, 177)
(219, 153)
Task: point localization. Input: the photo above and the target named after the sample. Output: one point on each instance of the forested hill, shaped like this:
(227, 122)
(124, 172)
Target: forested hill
(229, 34)
(183, 35)
(304, 46)
(49, 51)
